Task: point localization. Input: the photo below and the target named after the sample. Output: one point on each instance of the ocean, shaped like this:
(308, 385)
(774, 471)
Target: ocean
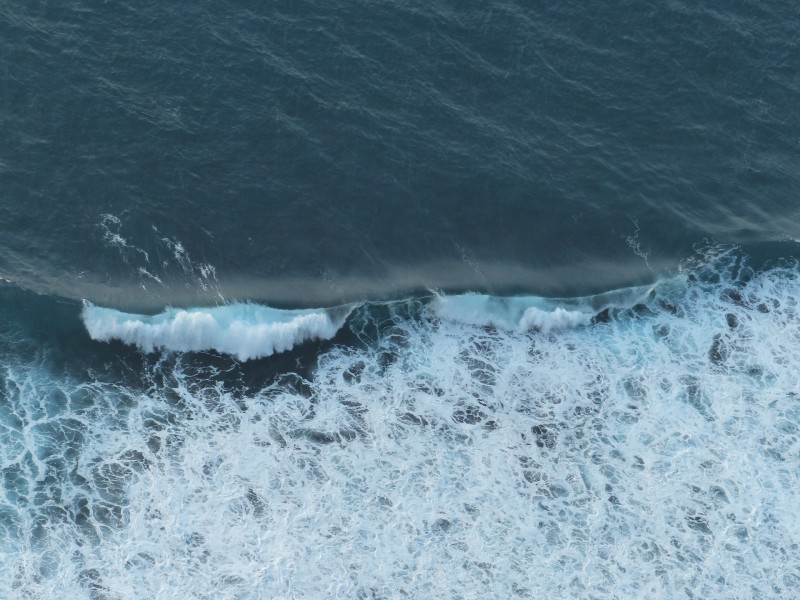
(399, 300)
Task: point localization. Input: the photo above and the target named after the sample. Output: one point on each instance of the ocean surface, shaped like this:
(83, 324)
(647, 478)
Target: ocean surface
(382, 300)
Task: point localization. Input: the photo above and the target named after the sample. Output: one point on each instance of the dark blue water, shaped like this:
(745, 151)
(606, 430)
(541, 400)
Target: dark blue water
(322, 153)
(399, 299)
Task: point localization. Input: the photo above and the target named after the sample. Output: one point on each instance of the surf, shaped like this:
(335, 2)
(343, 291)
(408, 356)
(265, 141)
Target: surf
(647, 450)
(244, 330)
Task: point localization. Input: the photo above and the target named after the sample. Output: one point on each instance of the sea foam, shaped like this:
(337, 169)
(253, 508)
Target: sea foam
(650, 454)
(243, 330)
(525, 313)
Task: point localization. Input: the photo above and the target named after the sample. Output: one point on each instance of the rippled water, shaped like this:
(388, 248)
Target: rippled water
(318, 153)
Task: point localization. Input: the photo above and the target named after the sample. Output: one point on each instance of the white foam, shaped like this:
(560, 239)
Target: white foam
(556, 319)
(510, 314)
(654, 455)
(246, 331)
(523, 313)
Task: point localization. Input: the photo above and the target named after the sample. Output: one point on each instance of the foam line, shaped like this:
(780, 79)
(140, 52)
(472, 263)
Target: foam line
(246, 331)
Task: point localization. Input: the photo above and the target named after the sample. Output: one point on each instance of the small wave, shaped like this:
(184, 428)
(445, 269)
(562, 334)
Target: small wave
(523, 313)
(249, 331)
(246, 331)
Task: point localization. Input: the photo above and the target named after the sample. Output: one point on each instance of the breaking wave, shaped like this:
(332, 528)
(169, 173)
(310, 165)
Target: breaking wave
(524, 313)
(249, 331)
(245, 331)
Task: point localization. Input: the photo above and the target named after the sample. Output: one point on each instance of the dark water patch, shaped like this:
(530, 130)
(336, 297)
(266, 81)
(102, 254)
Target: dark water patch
(718, 353)
(321, 153)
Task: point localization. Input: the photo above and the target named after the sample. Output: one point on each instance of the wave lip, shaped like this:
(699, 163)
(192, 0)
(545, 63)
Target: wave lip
(244, 330)
(524, 313)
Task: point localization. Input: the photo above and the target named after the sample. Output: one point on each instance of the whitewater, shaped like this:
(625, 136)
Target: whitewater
(644, 450)
(244, 330)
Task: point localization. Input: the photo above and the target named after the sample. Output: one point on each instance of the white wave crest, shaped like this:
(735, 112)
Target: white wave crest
(523, 313)
(245, 331)
(558, 318)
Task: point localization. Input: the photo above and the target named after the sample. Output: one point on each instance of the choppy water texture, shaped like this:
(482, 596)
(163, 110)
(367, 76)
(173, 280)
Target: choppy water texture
(399, 300)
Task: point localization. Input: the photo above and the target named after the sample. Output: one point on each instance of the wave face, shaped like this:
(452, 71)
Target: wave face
(245, 331)
(251, 331)
(524, 313)
(651, 453)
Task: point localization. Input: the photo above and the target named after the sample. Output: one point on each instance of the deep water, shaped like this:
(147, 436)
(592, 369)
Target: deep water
(318, 153)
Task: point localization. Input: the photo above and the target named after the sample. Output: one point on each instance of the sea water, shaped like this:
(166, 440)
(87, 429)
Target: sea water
(399, 300)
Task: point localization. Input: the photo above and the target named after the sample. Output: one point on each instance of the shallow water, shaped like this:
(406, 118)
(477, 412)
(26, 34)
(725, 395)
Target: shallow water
(649, 452)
